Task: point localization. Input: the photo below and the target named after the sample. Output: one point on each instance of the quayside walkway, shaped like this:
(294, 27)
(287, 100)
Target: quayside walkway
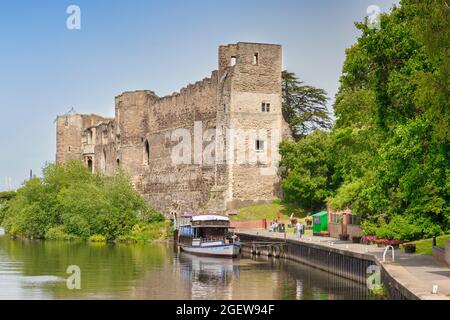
(417, 273)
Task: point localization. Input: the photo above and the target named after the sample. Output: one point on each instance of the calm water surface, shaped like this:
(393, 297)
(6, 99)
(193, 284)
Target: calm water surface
(37, 270)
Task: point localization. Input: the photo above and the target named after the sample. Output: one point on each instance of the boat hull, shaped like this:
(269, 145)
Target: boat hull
(226, 250)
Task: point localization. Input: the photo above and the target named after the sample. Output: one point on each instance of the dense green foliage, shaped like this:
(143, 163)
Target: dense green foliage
(309, 175)
(304, 106)
(6, 195)
(70, 203)
(162, 230)
(386, 157)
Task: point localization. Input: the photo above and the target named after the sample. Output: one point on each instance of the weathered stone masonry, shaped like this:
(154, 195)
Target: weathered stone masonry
(244, 93)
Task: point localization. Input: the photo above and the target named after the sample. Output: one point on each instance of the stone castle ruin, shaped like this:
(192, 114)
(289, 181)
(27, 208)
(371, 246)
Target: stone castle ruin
(212, 147)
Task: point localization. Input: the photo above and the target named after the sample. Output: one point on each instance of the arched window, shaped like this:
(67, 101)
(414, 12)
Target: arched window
(147, 153)
(89, 164)
(118, 162)
(89, 136)
(103, 161)
(233, 61)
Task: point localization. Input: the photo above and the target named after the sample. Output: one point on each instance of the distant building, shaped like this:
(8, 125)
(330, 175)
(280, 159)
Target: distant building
(343, 222)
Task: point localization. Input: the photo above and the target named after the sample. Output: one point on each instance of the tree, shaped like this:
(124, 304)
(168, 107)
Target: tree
(6, 195)
(408, 178)
(394, 88)
(70, 202)
(386, 157)
(431, 25)
(304, 107)
(308, 171)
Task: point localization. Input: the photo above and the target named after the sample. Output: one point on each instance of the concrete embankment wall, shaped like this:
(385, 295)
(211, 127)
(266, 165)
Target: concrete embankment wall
(442, 255)
(343, 263)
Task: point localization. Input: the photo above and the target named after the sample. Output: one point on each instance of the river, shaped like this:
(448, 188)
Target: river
(37, 270)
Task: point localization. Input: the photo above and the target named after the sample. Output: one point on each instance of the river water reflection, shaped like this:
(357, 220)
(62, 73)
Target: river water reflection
(37, 270)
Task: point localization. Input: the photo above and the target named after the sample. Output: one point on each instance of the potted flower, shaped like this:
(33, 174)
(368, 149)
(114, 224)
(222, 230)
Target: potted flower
(380, 242)
(343, 237)
(368, 239)
(409, 247)
(394, 243)
(356, 239)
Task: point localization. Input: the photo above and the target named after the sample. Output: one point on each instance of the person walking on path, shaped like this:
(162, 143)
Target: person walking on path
(299, 230)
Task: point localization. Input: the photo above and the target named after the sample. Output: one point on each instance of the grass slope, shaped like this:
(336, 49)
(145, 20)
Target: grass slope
(268, 211)
(424, 246)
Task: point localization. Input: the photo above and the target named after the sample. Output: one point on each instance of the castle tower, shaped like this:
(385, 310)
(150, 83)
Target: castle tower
(69, 129)
(250, 109)
(131, 131)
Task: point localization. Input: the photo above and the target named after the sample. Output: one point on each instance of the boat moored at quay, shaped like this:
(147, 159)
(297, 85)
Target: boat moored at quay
(207, 235)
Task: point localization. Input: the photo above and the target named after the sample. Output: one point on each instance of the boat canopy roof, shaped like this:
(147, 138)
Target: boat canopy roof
(210, 217)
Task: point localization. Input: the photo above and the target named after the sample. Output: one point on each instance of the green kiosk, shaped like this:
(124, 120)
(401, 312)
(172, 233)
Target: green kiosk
(320, 222)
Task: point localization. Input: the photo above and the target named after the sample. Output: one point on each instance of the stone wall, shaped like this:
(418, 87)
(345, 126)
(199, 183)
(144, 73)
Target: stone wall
(70, 133)
(168, 184)
(442, 255)
(447, 253)
(144, 137)
(254, 224)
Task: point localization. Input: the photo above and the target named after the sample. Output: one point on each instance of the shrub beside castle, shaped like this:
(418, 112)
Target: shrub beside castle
(70, 203)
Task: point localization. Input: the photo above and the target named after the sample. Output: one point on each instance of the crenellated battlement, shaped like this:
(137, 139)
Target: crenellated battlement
(204, 84)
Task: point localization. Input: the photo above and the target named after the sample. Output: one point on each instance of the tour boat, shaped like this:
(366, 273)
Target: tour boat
(208, 235)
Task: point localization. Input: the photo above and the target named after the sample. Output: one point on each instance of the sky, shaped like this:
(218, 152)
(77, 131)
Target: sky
(46, 69)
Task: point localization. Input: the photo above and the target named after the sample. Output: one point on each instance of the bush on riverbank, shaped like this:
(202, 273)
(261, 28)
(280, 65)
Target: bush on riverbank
(148, 232)
(97, 238)
(6, 195)
(71, 203)
(58, 233)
